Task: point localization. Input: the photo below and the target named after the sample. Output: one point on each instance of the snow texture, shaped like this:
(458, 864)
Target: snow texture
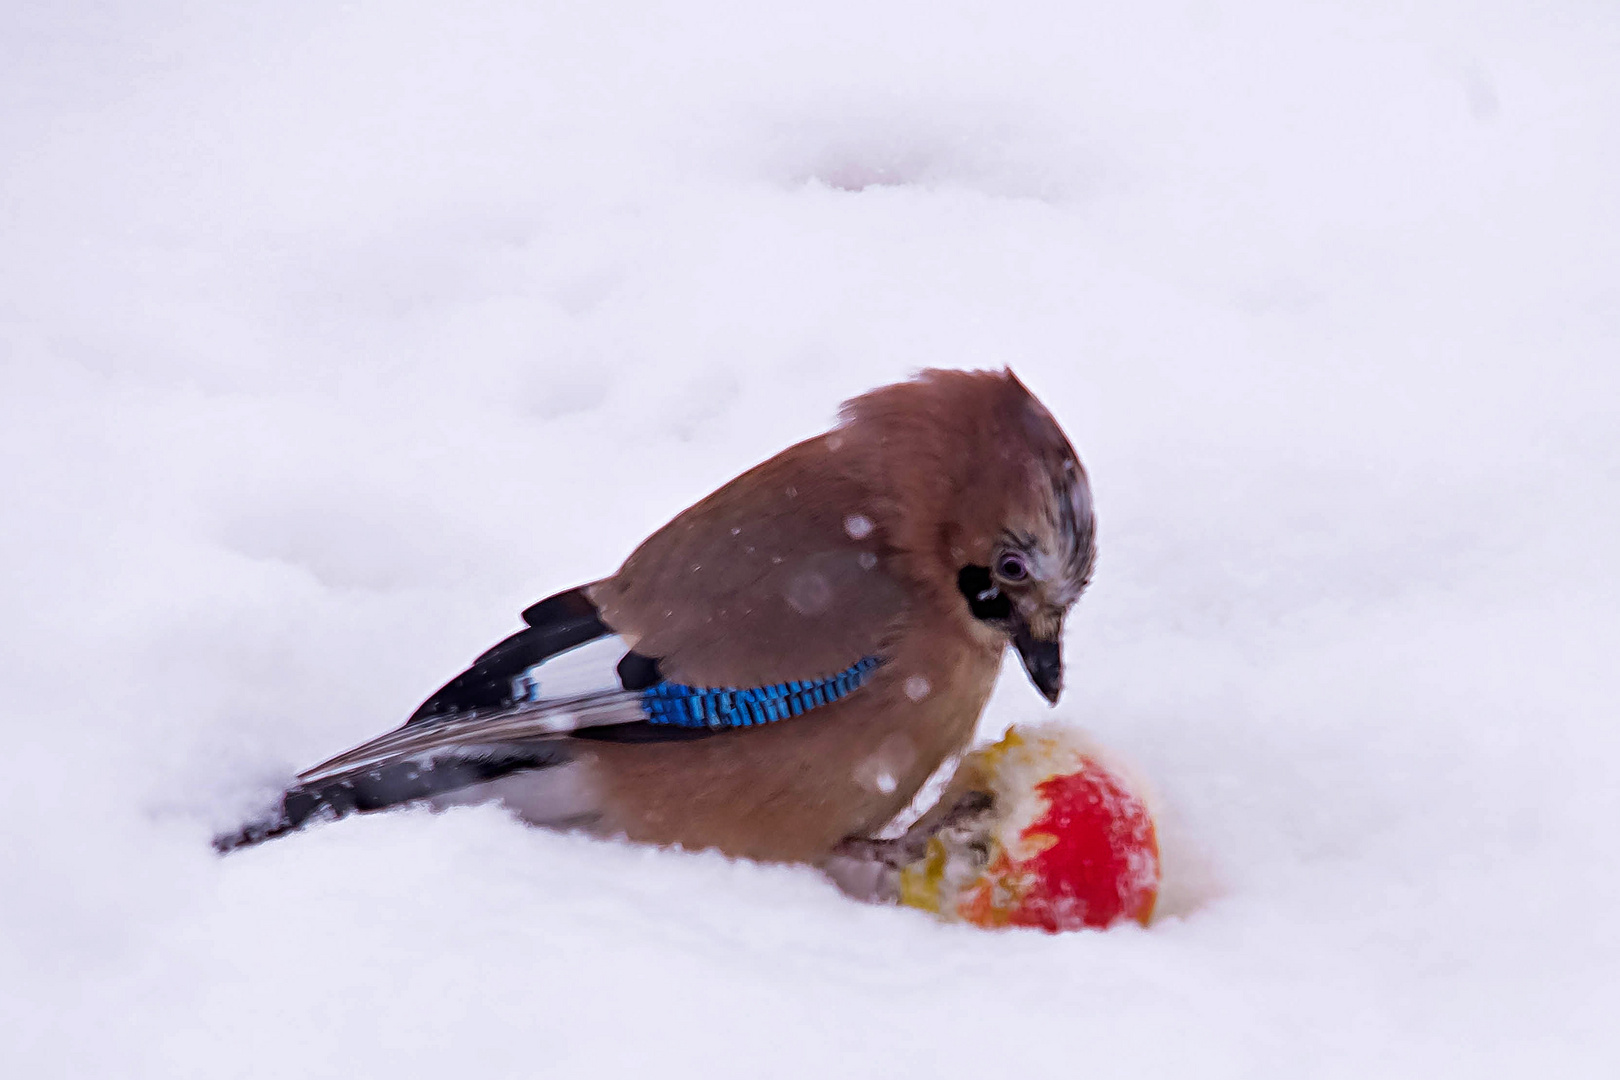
(332, 335)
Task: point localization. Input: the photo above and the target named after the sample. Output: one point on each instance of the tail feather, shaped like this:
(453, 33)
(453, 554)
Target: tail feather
(396, 782)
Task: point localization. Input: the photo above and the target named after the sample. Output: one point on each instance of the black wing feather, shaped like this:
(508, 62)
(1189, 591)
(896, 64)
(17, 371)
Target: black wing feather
(556, 624)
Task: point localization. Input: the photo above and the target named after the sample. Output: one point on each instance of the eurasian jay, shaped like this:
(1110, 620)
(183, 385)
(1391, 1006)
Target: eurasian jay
(783, 665)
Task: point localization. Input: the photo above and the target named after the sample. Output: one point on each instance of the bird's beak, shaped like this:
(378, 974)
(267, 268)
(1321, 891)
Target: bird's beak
(1043, 659)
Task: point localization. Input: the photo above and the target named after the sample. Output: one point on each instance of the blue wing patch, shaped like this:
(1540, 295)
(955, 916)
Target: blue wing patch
(720, 709)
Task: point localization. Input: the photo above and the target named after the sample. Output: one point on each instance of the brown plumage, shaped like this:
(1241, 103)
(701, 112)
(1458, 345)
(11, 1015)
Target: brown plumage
(941, 520)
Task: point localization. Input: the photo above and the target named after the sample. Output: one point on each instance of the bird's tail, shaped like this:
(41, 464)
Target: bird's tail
(397, 782)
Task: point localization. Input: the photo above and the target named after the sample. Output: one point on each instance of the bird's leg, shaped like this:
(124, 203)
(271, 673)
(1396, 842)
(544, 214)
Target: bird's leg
(869, 869)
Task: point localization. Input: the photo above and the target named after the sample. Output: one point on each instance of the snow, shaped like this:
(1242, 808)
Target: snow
(331, 336)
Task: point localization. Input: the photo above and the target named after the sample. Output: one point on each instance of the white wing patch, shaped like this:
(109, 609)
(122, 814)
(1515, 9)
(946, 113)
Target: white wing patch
(588, 669)
(574, 689)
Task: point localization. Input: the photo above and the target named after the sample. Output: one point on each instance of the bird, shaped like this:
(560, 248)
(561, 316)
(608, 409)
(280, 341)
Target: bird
(783, 665)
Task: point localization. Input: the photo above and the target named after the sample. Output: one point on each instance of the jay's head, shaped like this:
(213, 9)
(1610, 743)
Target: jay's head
(992, 504)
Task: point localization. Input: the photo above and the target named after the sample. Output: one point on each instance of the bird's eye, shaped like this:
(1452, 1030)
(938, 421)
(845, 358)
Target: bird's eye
(1012, 567)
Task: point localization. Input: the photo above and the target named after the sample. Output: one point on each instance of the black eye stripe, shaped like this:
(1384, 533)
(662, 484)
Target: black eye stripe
(979, 589)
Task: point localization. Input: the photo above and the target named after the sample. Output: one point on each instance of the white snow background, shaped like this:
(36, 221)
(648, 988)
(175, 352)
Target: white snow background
(331, 335)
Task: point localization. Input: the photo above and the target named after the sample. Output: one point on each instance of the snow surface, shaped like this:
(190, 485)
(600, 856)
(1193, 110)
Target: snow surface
(331, 335)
